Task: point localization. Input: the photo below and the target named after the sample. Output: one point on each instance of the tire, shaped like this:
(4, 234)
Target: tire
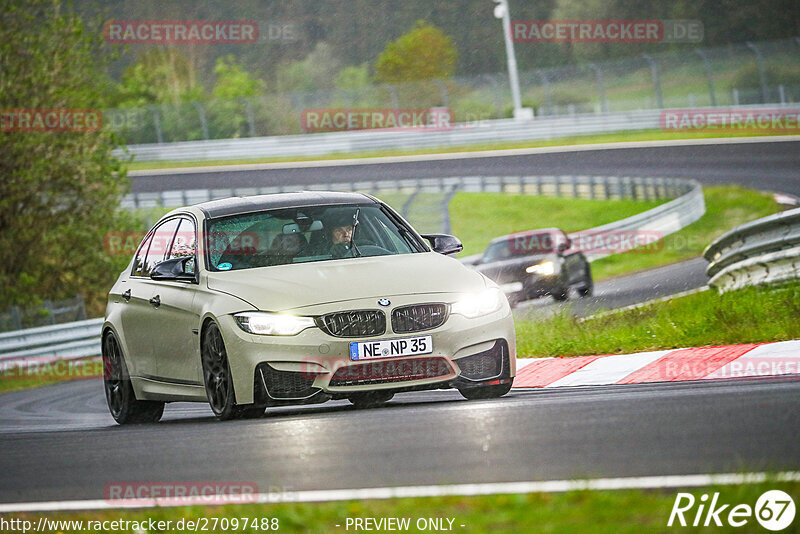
(485, 392)
(218, 381)
(125, 408)
(587, 288)
(561, 294)
(370, 399)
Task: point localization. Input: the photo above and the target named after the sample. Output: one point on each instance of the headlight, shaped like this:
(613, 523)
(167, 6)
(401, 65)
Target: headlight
(545, 268)
(479, 304)
(272, 324)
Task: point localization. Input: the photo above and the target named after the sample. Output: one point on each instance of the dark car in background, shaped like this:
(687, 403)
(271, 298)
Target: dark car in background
(533, 264)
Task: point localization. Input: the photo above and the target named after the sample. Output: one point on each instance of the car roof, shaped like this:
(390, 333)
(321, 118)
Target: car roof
(249, 204)
(526, 232)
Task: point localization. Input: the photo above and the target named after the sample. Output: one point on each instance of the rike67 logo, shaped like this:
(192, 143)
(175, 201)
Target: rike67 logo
(774, 510)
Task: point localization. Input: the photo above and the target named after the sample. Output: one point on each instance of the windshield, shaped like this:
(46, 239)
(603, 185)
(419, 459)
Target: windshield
(304, 234)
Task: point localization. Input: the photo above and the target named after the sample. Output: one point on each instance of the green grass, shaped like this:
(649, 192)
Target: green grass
(626, 511)
(749, 315)
(619, 137)
(16, 378)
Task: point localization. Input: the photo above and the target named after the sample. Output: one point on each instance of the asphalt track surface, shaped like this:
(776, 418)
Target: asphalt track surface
(771, 166)
(59, 443)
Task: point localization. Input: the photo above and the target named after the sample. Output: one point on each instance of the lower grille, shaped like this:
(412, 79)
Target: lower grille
(387, 371)
(287, 384)
(485, 365)
(418, 317)
(356, 323)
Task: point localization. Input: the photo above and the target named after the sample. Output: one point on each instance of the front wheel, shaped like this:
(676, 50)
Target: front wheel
(218, 380)
(561, 294)
(125, 408)
(587, 288)
(485, 392)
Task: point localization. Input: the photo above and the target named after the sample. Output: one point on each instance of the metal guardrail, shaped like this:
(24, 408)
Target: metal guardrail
(66, 341)
(490, 131)
(763, 251)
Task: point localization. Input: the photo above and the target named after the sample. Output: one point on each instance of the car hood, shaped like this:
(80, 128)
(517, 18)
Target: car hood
(286, 287)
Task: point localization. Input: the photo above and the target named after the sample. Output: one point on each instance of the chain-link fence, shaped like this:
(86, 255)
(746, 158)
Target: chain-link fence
(749, 73)
(51, 312)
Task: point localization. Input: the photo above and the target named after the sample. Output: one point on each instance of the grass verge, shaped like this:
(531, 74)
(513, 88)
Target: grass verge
(16, 378)
(749, 315)
(625, 511)
(618, 137)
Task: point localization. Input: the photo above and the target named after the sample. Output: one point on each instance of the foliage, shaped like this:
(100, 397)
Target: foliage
(160, 75)
(59, 191)
(233, 81)
(423, 53)
(353, 77)
(316, 71)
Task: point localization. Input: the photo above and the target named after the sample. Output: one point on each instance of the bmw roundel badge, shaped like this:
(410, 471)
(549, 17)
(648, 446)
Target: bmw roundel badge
(384, 302)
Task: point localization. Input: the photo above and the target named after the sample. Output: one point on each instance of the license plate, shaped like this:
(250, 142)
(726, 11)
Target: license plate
(389, 348)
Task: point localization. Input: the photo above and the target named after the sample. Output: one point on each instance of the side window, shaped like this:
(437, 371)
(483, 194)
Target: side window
(162, 239)
(185, 242)
(138, 263)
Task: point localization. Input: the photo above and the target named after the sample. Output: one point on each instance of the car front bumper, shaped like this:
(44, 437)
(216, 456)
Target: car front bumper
(322, 362)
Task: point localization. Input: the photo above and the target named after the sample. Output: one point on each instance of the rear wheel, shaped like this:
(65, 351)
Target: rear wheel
(218, 381)
(370, 399)
(485, 392)
(125, 408)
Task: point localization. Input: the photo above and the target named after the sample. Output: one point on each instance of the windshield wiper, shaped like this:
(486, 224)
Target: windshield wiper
(353, 245)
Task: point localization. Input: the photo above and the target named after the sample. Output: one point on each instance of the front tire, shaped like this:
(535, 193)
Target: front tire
(587, 288)
(125, 408)
(218, 381)
(485, 392)
(561, 294)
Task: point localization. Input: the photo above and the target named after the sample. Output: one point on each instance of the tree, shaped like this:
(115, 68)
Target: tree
(159, 76)
(233, 81)
(423, 53)
(59, 191)
(316, 71)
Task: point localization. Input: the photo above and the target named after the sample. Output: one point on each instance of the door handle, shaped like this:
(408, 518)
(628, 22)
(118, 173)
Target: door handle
(127, 295)
(156, 301)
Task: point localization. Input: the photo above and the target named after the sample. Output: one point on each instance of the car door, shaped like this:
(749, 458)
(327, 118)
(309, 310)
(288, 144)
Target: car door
(176, 341)
(137, 315)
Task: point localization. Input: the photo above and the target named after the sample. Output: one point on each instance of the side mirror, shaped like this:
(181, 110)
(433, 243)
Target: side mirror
(175, 269)
(444, 244)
